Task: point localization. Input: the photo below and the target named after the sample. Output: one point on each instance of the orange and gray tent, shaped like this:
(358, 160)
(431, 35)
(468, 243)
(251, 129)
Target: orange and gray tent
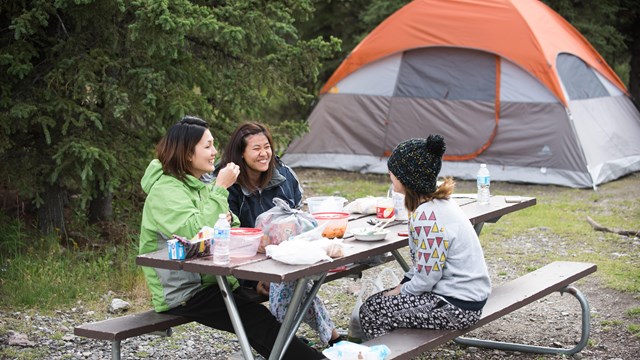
(508, 83)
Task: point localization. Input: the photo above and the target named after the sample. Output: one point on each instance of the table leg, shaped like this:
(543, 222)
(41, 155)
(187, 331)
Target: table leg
(305, 306)
(400, 260)
(295, 314)
(235, 317)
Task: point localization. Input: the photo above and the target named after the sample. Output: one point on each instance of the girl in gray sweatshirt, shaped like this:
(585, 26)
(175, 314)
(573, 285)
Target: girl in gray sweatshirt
(448, 283)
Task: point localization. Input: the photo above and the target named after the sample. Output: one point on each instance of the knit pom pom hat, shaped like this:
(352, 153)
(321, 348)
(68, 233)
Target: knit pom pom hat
(417, 162)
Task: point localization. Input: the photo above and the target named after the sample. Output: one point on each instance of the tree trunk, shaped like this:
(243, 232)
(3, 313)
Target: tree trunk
(51, 212)
(100, 208)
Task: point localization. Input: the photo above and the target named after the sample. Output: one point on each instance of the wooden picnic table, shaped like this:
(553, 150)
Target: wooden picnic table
(260, 267)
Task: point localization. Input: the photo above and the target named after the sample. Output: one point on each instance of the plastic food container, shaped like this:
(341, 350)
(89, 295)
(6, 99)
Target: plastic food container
(325, 203)
(336, 223)
(244, 242)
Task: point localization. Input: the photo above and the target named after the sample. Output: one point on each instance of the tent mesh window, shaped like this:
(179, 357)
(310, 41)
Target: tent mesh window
(579, 80)
(447, 74)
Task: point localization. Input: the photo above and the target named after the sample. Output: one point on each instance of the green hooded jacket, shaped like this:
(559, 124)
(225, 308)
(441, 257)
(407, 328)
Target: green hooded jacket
(182, 208)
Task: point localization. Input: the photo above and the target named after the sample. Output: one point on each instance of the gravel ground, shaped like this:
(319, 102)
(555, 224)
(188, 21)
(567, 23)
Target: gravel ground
(552, 321)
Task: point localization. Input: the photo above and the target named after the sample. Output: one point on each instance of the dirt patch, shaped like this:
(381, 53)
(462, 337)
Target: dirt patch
(553, 321)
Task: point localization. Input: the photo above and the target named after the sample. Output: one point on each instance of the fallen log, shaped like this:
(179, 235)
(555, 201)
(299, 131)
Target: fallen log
(598, 227)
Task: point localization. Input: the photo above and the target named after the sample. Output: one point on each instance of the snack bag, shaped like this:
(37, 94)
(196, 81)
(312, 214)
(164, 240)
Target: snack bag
(181, 248)
(281, 222)
(365, 205)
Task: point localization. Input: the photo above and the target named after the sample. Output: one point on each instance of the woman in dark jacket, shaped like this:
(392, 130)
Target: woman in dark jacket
(262, 178)
(282, 184)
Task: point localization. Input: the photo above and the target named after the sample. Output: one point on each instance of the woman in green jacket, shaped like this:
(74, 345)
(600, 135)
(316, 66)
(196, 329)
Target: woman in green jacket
(179, 203)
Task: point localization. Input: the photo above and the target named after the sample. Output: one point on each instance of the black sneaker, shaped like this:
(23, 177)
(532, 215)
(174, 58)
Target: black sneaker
(337, 340)
(306, 341)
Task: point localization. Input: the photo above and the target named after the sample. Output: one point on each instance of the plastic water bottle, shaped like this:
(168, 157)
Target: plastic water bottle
(398, 204)
(484, 182)
(221, 239)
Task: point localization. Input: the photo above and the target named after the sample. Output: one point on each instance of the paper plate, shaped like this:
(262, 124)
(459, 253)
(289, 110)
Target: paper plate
(365, 234)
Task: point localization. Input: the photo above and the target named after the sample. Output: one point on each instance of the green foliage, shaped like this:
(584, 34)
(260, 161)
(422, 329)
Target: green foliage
(623, 70)
(13, 240)
(604, 24)
(90, 86)
(284, 132)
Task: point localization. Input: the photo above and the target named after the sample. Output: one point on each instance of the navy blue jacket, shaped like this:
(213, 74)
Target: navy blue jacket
(284, 185)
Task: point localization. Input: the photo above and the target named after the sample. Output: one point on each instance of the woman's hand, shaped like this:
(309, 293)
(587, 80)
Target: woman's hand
(264, 241)
(262, 288)
(394, 291)
(227, 176)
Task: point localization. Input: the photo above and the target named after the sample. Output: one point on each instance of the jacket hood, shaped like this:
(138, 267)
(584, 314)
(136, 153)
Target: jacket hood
(151, 175)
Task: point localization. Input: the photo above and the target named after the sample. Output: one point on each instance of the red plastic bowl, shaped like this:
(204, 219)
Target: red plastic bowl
(336, 223)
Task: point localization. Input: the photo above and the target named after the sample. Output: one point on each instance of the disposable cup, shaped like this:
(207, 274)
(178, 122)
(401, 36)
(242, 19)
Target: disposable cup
(384, 208)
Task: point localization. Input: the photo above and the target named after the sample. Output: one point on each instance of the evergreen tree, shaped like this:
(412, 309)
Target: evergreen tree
(88, 86)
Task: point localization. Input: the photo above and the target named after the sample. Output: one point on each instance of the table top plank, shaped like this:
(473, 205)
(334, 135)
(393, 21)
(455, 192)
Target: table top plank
(495, 209)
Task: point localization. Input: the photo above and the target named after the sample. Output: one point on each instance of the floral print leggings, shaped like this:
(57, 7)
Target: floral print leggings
(317, 315)
(380, 314)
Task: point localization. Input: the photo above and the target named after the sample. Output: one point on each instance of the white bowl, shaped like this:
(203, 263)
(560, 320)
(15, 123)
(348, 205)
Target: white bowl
(369, 234)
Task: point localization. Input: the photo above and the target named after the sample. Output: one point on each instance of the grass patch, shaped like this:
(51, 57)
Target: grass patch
(352, 189)
(49, 280)
(611, 323)
(556, 229)
(12, 352)
(44, 275)
(634, 312)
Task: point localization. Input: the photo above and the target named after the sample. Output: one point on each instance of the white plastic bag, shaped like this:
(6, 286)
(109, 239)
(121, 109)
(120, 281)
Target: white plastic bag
(365, 205)
(386, 279)
(281, 222)
(297, 253)
(345, 350)
(310, 235)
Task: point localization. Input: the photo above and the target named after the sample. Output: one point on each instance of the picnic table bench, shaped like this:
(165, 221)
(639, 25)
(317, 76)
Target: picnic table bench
(124, 327)
(504, 299)
(404, 343)
(151, 322)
